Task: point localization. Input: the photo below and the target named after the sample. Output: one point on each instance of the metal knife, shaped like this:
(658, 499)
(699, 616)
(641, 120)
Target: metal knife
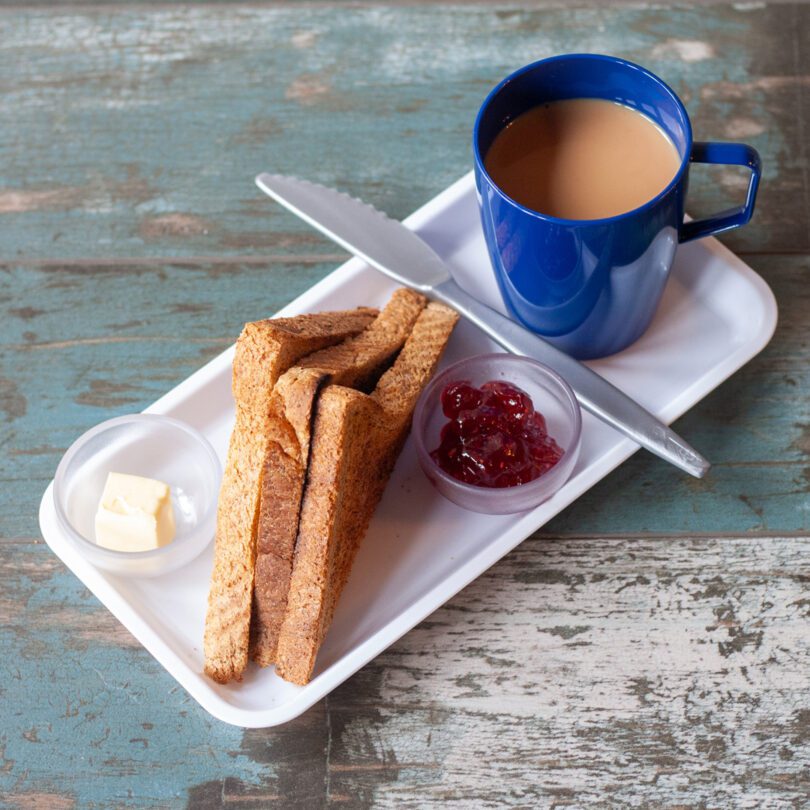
(393, 249)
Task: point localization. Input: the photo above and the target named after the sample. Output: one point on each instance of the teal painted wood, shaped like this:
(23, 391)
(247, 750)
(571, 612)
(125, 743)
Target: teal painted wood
(146, 143)
(649, 645)
(671, 671)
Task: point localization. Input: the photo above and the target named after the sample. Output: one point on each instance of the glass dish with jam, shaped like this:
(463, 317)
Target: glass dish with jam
(497, 433)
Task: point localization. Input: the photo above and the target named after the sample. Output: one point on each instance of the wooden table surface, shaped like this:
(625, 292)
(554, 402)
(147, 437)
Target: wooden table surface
(647, 648)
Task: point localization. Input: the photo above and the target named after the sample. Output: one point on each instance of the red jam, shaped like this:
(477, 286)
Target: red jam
(495, 437)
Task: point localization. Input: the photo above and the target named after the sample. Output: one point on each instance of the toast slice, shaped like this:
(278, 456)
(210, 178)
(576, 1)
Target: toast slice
(356, 362)
(355, 443)
(264, 350)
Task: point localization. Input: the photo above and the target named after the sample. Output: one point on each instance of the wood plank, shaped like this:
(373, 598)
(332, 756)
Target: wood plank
(656, 672)
(631, 673)
(81, 348)
(146, 143)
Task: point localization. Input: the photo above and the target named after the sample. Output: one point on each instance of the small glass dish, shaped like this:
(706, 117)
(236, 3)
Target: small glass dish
(155, 447)
(551, 396)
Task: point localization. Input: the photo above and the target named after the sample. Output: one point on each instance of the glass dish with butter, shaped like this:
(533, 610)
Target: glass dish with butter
(137, 494)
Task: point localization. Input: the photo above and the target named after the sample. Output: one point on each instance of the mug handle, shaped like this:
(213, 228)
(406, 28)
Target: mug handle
(730, 154)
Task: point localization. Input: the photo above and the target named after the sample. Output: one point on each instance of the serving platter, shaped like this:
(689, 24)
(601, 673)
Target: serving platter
(420, 550)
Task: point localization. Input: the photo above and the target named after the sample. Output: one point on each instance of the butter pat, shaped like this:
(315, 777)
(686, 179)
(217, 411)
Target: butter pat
(135, 514)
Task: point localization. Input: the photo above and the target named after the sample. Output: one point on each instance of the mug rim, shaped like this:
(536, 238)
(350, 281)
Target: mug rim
(624, 63)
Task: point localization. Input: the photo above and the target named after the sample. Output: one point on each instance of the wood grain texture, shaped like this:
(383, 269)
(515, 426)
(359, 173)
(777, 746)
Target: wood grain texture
(184, 106)
(647, 648)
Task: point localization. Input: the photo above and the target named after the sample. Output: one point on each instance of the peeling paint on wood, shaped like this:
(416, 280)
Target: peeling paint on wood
(183, 106)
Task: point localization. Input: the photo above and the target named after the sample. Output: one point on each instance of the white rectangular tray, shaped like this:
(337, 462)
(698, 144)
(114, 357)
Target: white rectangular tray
(716, 314)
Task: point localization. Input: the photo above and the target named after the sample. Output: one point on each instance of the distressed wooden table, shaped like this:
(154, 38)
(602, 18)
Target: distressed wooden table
(647, 648)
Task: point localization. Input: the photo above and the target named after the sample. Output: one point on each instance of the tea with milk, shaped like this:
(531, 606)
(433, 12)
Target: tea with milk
(582, 158)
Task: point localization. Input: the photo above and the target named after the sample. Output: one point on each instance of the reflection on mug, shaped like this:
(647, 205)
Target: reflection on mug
(589, 315)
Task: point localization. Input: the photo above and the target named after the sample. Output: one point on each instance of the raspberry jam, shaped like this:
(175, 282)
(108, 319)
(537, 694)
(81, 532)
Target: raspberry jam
(494, 436)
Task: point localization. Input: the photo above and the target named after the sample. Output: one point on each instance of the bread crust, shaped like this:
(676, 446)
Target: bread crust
(264, 350)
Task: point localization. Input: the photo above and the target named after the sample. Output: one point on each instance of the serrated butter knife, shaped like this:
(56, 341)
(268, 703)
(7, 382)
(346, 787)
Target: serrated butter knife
(393, 249)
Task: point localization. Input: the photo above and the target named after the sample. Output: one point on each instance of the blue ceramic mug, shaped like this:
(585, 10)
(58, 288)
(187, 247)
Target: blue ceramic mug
(591, 287)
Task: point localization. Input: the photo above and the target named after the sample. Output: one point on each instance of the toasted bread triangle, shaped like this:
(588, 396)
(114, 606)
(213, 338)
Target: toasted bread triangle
(358, 361)
(355, 442)
(265, 350)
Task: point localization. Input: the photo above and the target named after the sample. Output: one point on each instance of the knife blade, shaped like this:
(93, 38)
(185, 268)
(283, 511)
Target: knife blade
(393, 249)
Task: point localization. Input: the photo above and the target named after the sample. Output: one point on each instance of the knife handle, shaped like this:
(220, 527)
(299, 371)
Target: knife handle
(594, 393)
